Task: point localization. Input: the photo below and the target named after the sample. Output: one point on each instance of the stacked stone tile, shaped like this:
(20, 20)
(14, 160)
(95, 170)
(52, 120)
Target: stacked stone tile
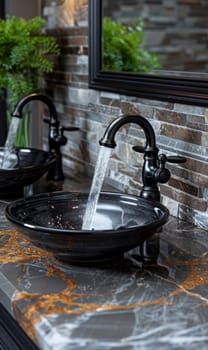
(180, 129)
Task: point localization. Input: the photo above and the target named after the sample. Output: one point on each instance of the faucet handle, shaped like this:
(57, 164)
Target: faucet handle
(61, 137)
(62, 128)
(169, 159)
(70, 128)
(175, 159)
(162, 174)
(139, 149)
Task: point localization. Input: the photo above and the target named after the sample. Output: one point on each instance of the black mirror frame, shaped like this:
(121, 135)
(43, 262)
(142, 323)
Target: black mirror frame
(173, 89)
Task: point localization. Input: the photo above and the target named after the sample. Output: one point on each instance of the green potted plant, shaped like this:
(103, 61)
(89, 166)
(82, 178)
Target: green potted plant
(123, 47)
(26, 52)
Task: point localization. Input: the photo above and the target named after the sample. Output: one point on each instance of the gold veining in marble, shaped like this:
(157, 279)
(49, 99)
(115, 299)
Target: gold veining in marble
(16, 250)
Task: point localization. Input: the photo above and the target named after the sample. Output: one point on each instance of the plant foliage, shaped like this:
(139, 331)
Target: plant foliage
(26, 52)
(24, 55)
(123, 48)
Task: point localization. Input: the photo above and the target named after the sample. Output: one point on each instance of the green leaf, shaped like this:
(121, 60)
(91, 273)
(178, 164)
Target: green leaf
(26, 53)
(123, 47)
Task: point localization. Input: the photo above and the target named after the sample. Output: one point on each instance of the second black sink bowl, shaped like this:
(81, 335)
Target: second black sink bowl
(53, 222)
(29, 165)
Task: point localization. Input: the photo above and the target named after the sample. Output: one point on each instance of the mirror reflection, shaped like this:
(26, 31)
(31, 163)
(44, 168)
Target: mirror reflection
(157, 37)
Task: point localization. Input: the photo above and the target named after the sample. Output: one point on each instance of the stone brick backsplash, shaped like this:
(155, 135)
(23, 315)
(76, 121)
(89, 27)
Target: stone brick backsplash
(180, 129)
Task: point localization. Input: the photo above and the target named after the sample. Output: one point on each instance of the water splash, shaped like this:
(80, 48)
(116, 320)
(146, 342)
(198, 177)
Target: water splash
(97, 182)
(9, 159)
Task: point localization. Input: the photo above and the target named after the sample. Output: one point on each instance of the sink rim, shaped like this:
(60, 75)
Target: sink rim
(50, 159)
(47, 196)
(87, 246)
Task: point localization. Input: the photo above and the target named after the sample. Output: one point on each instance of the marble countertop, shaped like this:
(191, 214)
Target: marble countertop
(160, 303)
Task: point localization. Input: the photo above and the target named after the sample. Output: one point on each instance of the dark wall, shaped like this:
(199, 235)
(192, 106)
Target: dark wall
(23, 8)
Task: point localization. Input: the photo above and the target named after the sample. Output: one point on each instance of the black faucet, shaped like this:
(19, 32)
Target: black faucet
(56, 137)
(154, 170)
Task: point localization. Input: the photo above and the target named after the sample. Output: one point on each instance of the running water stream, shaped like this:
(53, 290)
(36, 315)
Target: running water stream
(8, 160)
(97, 182)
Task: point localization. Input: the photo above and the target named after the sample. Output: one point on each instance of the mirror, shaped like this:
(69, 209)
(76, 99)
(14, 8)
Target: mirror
(168, 34)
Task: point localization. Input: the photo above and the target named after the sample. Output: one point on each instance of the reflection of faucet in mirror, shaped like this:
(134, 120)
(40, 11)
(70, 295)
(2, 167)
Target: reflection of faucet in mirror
(56, 138)
(154, 170)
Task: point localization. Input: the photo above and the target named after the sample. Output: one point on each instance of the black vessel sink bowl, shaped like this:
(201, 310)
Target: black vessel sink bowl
(29, 165)
(53, 222)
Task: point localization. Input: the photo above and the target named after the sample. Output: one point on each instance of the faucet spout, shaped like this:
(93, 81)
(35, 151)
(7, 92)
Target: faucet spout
(150, 189)
(35, 96)
(56, 139)
(108, 139)
(154, 170)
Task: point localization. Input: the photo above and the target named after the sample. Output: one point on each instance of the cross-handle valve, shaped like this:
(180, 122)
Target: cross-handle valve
(57, 139)
(154, 170)
(56, 134)
(162, 174)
